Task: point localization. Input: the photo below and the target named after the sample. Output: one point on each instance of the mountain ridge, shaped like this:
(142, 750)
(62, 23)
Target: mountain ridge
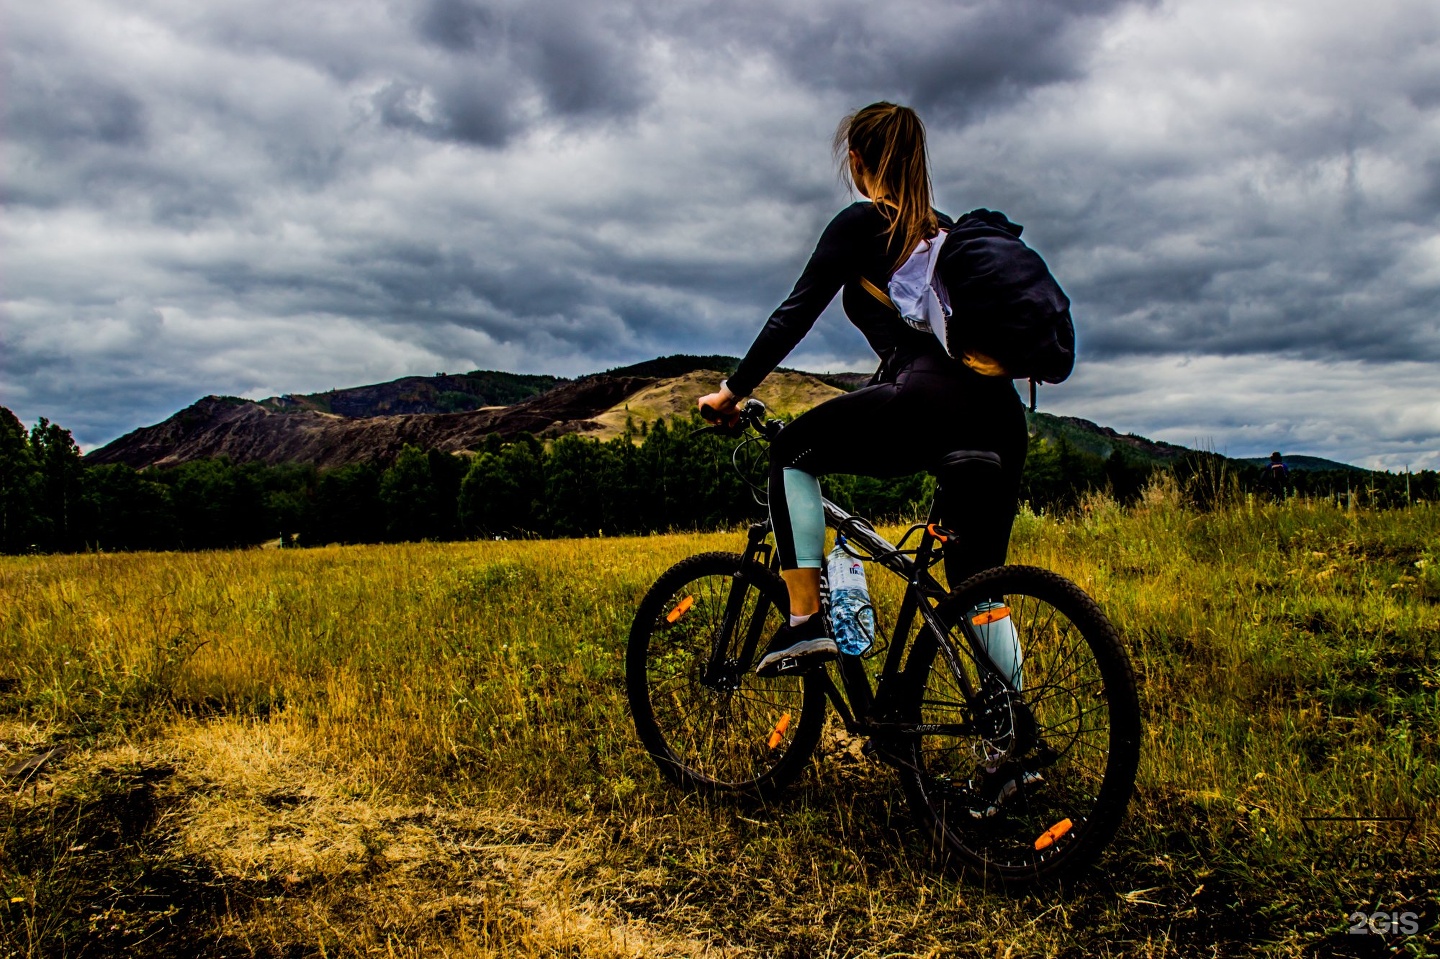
(456, 412)
(441, 393)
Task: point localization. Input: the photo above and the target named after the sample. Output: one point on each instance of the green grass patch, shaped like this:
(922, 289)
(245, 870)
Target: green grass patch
(426, 749)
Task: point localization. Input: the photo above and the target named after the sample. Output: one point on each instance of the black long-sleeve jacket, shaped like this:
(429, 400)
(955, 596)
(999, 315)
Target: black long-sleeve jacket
(854, 245)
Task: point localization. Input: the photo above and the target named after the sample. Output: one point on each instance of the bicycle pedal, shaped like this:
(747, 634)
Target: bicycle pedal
(996, 795)
(795, 665)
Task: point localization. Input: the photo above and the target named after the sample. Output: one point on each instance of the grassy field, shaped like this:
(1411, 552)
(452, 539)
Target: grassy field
(426, 750)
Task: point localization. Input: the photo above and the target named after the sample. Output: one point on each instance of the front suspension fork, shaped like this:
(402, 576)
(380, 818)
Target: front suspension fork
(721, 667)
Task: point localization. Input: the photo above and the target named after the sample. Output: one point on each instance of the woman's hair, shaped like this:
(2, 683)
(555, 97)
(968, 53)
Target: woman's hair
(890, 140)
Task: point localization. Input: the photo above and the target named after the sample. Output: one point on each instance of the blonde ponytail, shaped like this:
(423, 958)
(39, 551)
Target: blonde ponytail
(890, 141)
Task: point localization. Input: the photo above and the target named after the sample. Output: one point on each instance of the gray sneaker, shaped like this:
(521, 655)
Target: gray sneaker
(797, 648)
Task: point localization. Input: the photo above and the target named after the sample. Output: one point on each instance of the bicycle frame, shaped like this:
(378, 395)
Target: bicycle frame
(865, 710)
(1006, 769)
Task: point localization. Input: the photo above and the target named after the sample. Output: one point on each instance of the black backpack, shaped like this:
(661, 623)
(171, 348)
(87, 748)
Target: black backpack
(1005, 304)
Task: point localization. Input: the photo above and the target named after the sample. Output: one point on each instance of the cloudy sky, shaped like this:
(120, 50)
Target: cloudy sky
(1242, 197)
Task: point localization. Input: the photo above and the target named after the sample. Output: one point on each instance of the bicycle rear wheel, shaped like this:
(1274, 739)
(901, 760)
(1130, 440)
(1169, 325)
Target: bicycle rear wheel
(1032, 784)
(706, 719)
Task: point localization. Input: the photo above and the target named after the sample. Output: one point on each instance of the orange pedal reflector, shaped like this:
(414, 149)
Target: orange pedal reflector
(681, 608)
(991, 616)
(778, 732)
(1048, 837)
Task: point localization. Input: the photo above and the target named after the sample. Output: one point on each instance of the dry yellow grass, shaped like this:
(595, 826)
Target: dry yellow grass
(785, 394)
(425, 750)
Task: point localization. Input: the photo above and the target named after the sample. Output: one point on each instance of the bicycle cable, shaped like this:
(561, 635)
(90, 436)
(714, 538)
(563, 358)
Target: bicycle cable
(758, 493)
(848, 527)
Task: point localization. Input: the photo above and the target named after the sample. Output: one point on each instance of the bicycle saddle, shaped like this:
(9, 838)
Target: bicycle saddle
(960, 461)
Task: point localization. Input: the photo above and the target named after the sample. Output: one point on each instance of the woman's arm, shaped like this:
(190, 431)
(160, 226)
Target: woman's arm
(817, 286)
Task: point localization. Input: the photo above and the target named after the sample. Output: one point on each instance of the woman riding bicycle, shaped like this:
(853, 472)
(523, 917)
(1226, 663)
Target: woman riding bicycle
(920, 405)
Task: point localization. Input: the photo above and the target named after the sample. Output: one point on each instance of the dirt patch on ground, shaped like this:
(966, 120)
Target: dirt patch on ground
(240, 838)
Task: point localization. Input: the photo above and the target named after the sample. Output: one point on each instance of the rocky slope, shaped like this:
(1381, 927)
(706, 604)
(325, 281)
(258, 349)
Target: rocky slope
(441, 393)
(373, 423)
(248, 431)
(785, 393)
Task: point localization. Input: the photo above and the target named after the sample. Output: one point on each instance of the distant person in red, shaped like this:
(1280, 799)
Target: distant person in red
(1277, 476)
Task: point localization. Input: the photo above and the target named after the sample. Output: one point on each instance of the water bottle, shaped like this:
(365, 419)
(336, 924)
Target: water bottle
(852, 618)
(997, 634)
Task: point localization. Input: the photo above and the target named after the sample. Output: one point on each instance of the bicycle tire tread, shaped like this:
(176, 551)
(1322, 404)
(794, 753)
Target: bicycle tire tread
(1121, 693)
(672, 766)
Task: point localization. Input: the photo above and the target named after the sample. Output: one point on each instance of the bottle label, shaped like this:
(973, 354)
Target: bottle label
(852, 618)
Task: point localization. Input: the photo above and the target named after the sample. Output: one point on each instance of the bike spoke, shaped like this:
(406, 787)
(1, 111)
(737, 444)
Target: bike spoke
(718, 718)
(964, 779)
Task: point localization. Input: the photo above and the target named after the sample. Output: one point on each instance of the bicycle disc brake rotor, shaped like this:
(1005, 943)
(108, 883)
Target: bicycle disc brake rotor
(724, 679)
(1004, 725)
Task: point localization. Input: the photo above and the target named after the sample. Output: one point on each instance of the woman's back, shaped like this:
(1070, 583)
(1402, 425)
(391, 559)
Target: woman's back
(857, 244)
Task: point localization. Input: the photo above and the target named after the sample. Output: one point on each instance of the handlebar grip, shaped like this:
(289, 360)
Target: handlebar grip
(723, 426)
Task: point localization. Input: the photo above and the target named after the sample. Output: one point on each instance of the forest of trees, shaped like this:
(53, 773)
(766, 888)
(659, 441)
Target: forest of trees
(666, 477)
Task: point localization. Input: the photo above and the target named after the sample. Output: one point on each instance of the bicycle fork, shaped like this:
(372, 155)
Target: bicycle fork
(722, 671)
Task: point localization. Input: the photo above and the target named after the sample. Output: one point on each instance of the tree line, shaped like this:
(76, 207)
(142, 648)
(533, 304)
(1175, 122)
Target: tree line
(669, 476)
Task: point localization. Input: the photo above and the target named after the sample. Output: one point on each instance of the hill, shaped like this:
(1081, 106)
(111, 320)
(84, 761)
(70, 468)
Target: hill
(785, 393)
(441, 393)
(248, 431)
(455, 412)
(1102, 440)
(1306, 464)
(448, 412)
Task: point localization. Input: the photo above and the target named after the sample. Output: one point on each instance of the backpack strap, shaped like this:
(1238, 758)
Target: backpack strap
(977, 361)
(878, 293)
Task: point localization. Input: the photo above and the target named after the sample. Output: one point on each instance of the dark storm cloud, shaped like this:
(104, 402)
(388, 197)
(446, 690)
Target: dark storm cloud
(581, 59)
(267, 196)
(941, 56)
(587, 60)
(1289, 214)
(1305, 289)
(949, 60)
(460, 26)
(580, 62)
(77, 110)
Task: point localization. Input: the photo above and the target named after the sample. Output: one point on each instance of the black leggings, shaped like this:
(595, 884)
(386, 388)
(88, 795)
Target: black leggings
(925, 407)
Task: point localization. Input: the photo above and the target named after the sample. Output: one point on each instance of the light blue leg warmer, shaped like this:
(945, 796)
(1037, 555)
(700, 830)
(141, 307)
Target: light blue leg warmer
(807, 518)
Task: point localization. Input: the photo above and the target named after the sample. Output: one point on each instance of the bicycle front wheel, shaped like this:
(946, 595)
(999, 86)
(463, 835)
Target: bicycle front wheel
(1025, 779)
(706, 719)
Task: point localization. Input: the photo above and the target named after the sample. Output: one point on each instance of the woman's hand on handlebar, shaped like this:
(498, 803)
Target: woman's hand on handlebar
(722, 406)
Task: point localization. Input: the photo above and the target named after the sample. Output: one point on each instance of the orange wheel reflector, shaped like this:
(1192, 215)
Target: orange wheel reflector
(778, 732)
(991, 616)
(1048, 837)
(681, 608)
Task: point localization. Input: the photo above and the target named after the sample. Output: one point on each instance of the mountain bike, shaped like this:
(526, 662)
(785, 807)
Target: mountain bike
(1018, 771)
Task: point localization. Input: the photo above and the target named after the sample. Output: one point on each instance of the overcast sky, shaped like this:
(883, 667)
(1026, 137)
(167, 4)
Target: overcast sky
(257, 197)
